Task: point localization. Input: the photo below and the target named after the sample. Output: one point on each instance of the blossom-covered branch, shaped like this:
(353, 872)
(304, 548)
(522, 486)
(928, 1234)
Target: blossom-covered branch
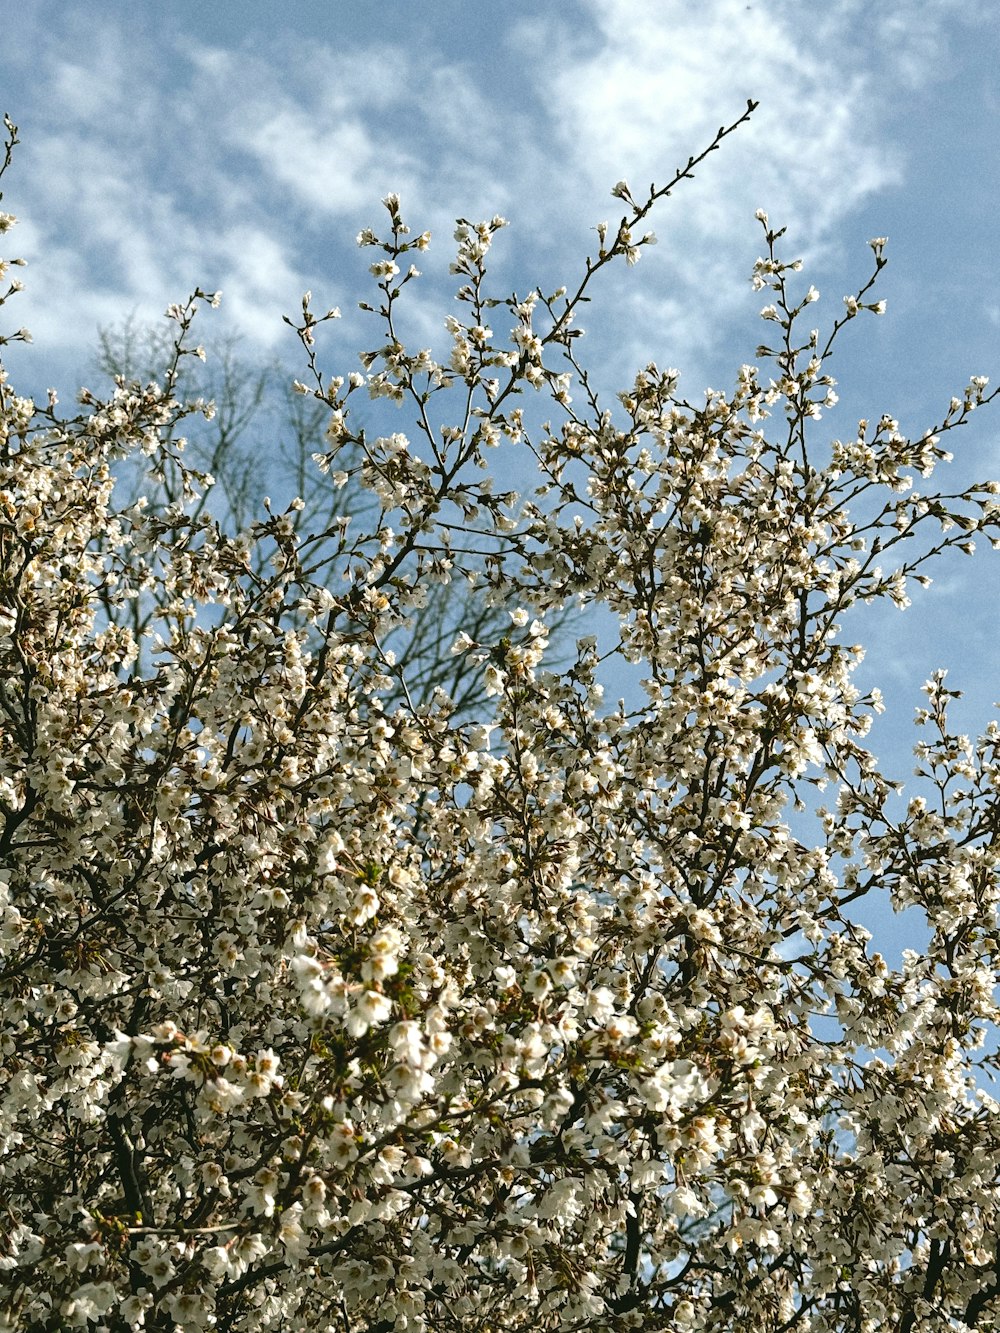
(328, 1004)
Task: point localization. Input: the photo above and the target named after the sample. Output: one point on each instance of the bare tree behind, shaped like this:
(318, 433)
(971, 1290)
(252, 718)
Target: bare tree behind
(244, 430)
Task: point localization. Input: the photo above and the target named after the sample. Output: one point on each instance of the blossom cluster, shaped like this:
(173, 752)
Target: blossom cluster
(327, 1008)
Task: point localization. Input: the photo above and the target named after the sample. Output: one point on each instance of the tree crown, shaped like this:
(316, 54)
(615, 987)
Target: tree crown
(331, 1003)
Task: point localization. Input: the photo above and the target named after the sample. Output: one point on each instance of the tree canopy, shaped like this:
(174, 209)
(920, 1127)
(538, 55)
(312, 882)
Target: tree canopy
(332, 1002)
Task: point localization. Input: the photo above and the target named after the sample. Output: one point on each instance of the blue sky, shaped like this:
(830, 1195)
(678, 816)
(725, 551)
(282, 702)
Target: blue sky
(242, 146)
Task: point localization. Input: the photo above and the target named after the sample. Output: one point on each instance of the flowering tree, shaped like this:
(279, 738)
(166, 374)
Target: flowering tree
(326, 1008)
(252, 406)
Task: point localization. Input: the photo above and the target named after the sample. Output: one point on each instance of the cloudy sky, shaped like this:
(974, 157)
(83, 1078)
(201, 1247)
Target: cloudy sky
(242, 146)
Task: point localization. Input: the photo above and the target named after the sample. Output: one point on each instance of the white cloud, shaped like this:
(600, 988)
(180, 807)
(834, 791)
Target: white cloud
(317, 138)
(654, 86)
(331, 168)
(360, 125)
(251, 171)
(632, 89)
(259, 285)
(916, 40)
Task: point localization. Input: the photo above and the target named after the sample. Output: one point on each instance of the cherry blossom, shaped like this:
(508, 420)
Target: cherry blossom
(328, 1008)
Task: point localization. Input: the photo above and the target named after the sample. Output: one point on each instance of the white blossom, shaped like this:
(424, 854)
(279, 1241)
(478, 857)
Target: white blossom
(338, 989)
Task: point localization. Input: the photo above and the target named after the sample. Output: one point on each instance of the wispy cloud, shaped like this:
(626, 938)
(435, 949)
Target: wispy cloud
(652, 84)
(250, 172)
